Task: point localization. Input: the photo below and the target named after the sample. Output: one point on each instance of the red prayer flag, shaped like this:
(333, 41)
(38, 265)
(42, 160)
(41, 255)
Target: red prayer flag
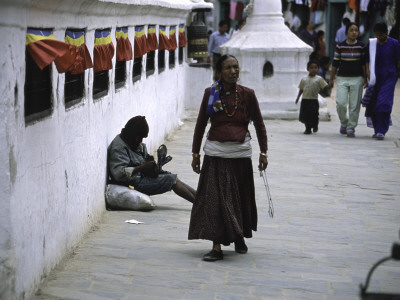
(182, 36)
(83, 60)
(152, 43)
(140, 42)
(45, 49)
(124, 47)
(172, 38)
(103, 55)
(103, 51)
(164, 41)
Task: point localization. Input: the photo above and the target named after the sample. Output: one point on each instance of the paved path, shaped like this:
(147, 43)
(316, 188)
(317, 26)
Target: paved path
(337, 211)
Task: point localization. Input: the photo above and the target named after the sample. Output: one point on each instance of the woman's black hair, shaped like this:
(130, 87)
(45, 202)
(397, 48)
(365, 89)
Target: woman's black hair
(351, 24)
(312, 62)
(381, 27)
(218, 65)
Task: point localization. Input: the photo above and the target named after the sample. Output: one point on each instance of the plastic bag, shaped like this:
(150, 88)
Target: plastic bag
(122, 197)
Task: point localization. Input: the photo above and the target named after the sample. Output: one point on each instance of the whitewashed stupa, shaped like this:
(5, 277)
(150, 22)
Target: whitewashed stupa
(272, 60)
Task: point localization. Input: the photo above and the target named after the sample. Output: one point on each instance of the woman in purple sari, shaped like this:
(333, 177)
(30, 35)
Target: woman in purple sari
(387, 66)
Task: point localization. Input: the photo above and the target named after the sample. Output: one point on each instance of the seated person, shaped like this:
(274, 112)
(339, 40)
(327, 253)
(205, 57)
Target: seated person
(130, 165)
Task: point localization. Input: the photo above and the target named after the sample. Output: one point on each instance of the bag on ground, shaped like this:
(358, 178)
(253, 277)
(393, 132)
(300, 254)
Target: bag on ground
(122, 197)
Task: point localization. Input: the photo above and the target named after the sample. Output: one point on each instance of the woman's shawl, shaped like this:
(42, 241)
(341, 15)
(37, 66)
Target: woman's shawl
(372, 56)
(369, 92)
(214, 101)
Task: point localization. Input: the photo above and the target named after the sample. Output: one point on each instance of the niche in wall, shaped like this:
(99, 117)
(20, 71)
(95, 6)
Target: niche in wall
(268, 70)
(38, 90)
(150, 63)
(137, 68)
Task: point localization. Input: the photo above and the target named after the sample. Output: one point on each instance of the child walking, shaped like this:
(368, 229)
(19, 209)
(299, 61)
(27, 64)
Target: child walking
(310, 86)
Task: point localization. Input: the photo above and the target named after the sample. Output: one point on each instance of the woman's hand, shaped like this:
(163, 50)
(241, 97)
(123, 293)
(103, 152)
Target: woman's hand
(196, 164)
(367, 73)
(263, 162)
(330, 84)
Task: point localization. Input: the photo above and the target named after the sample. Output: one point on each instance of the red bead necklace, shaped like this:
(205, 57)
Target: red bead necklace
(235, 105)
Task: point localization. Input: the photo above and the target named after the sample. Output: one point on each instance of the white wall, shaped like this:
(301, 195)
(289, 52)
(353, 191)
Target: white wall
(198, 79)
(53, 171)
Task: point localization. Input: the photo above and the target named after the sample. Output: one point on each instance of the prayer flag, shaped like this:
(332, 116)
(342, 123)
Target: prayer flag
(182, 36)
(164, 41)
(152, 43)
(83, 61)
(103, 50)
(124, 46)
(172, 38)
(140, 41)
(44, 49)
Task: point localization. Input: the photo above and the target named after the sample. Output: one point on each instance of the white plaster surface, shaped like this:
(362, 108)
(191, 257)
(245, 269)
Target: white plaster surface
(53, 171)
(264, 38)
(198, 79)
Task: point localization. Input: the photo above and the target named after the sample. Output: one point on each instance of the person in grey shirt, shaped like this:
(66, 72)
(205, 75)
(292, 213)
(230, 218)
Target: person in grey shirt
(341, 32)
(129, 164)
(217, 38)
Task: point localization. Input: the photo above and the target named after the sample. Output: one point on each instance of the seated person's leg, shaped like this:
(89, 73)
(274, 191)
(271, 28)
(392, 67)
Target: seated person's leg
(165, 183)
(184, 190)
(154, 186)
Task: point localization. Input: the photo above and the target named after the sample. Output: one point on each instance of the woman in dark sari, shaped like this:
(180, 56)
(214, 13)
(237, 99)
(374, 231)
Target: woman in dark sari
(387, 66)
(224, 210)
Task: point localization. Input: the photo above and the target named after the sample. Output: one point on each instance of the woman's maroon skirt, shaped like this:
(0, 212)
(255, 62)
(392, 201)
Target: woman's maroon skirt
(225, 208)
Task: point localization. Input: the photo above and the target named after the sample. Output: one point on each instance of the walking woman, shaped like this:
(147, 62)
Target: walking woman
(224, 210)
(349, 62)
(383, 65)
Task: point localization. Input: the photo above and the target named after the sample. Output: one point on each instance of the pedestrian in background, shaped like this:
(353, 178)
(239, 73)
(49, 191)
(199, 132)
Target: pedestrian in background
(308, 35)
(217, 38)
(309, 87)
(349, 62)
(320, 45)
(341, 32)
(386, 61)
(324, 65)
(237, 29)
(224, 209)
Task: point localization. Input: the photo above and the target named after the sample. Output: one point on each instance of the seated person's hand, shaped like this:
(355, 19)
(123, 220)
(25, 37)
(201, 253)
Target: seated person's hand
(150, 158)
(149, 169)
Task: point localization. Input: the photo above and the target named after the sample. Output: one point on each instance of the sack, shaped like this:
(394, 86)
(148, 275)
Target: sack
(122, 197)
